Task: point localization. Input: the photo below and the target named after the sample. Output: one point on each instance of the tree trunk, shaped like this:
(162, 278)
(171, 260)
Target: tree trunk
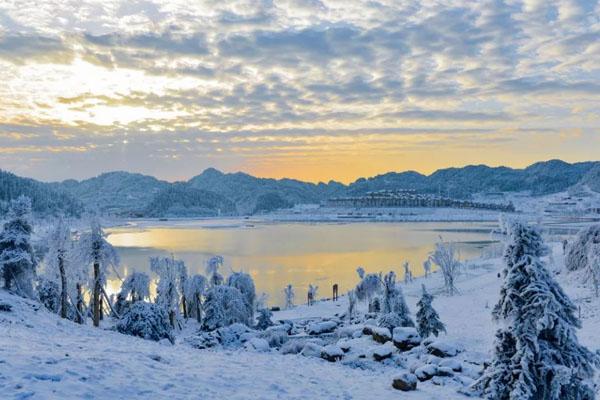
(63, 287)
(80, 311)
(183, 301)
(96, 295)
(198, 309)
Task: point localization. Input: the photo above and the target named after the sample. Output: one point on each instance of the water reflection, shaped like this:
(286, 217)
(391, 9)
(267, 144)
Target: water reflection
(278, 254)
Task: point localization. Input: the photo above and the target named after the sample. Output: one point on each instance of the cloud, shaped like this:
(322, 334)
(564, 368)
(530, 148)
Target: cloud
(19, 48)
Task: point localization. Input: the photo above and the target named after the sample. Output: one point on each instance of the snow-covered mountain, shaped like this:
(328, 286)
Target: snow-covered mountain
(216, 193)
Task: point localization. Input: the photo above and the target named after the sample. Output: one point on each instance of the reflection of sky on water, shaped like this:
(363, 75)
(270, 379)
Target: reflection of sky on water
(278, 254)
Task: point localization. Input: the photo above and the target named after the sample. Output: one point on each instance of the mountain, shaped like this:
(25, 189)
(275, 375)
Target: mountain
(248, 192)
(44, 199)
(216, 193)
(120, 192)
(181, 200)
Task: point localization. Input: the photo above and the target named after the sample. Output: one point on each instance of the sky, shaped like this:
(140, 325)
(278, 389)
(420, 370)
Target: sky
(307, 89)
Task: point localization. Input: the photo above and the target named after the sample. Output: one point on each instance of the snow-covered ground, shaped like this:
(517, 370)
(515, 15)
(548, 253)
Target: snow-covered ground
(44, 357)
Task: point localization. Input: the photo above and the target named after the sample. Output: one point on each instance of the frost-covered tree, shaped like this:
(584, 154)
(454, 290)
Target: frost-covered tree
(244, 283)
(407, 272)
(168, 270)
(577, 251)
(312, 293)
(223, 306)
(146, 320)
(58, 264)
(261, 301)
(49, 294)
(537, 354)
(445, 256)
(289, 293)
(395, 311)
(361, 272)
(182, 282)
(195, 289)
(136, 286)
(427, 268)
(17, 257)
(94, 250)
(428, 320)
(264, 319)
(592, 269)
(212, 270)
(351, 304)
(368, 287)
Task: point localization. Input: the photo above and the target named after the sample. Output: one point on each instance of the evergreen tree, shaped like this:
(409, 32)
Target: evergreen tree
(168, 270)
(223, 306)
(17, 258)
(244, 283)
(428, 320)
(264, 319)
(537, 354)
(395, 310)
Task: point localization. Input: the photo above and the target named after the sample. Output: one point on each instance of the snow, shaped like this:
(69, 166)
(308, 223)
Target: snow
(43, 356)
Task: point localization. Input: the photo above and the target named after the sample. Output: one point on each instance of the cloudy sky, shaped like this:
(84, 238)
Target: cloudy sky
(309, 89)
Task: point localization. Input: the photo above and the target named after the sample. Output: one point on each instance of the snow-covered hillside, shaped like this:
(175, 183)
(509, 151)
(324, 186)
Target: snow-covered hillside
(44, 357)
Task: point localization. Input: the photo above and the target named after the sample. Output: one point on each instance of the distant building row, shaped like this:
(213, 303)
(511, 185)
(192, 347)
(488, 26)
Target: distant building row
(409, 198)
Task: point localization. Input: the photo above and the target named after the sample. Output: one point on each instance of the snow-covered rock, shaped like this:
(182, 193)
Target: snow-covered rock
(405, 382)
(319, 328)
(381, 335)
(445, 371)
(311, 350)
(426, 372)
(406, 338)
(383, 352)
(332, 353)
(453, 364)
(257, 344)
(443, 349)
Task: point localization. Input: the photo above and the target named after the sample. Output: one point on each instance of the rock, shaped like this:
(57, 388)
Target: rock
(445, 371)
(332, 353)
(357, 334)
(311, 350)
(383, 352)
(443, 349)
(344, 345)
(405, 382)
(381, 335)
(368, 329)
(292, 347)
(257, 344)
(455, 365)
(426, 372)
(406, 338)
(319, 328)
(5, 307)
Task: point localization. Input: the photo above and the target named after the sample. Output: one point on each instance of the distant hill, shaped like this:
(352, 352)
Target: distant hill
(44, 199)
(216, 193)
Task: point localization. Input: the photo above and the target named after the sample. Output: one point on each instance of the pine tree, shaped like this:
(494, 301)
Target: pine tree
(223, 306)
(17, 258)
(428, 320)
(168, 270)
(264, 319)
(395, 310)
(244, 283)
(537, 354)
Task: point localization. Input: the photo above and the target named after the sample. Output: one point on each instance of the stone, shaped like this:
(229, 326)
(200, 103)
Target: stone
(426, 372)
(332, 353)
(383, 352)
(405, 382)
(381, 335)
(406, 338)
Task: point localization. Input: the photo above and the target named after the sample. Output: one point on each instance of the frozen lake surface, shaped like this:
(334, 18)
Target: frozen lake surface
(276, 254)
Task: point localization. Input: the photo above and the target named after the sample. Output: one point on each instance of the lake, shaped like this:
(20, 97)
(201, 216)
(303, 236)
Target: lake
(276, 254)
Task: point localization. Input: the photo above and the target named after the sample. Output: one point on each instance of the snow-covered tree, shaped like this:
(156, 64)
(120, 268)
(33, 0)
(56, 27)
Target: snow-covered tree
(312, 293)
(182, 282)
(49, 294)
(592, 269)
(223, 306)
(445, 256)
(94, 250)
(17, 257)
(427, 268)
(212, 270)
(537, 354)
(368, 287)
(244, 283)
(264, 319)
(168, 270)
(136, 286)
(289, 293)
(195, 289)
(351, 304)
(361, 272)
(428, 320)
(261, 301)
(58, 264)
(577, 251)
(407, 272)
(146, 320)
(395, 311)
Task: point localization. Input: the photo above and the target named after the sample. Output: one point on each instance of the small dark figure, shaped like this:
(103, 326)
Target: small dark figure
(335, 292)
(310, 298)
